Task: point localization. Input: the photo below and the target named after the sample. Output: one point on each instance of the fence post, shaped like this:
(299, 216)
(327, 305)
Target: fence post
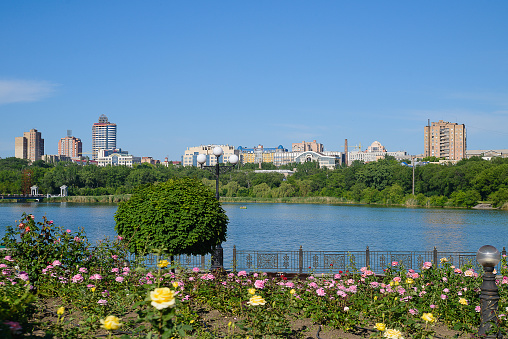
(504, 251)
(367, 257)
(234, 258)
(202, 262)
(300, 259)
(435, 257)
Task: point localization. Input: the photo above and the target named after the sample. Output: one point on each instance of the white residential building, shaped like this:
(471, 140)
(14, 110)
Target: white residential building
(116, 158)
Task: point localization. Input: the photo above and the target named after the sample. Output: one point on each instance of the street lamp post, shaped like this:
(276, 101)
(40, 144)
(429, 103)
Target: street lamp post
(218, 252)
(488, 256)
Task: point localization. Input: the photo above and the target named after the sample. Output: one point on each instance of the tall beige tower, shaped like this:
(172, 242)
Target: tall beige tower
(444, 139)
(30, 146)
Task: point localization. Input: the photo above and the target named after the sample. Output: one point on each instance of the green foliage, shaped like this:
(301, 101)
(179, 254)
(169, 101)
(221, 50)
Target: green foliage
(180, 216)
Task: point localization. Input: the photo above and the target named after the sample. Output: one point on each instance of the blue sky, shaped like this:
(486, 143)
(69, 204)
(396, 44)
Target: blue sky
(177, 74)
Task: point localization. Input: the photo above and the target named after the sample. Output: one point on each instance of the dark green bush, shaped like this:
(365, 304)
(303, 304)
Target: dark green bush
(180, 216)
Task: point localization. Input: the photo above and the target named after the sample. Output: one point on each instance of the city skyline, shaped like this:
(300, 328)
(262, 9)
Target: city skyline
(244, 74)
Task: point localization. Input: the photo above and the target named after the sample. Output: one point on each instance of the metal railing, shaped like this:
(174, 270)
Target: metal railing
(301, 261)
(306, 262)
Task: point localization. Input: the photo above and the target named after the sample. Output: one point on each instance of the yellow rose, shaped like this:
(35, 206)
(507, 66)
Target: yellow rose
(393, 334)
(163, 263)
(60, 311)
(252, 291)
(409, 281)
(175, 284)
(111, 323)
(292, 291)
(256, 300)
(463, 301)
(375, 297)
(162, 298)
(428, 318)
(92, 289)
(380, 327)
(443, 260)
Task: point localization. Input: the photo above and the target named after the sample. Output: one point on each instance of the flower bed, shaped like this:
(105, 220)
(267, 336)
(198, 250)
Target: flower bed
(103, 294)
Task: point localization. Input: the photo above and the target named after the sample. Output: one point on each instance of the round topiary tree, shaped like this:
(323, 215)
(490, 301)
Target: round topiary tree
(180, 216)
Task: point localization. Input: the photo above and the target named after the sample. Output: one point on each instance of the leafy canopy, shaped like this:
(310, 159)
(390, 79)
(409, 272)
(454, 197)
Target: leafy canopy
(180, 216)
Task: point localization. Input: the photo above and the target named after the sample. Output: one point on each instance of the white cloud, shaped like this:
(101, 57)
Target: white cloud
(12, 91)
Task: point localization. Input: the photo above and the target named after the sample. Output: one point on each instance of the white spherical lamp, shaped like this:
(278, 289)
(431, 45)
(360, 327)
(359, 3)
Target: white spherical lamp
(488, 256)
(201, 159)
(217, 151)
(233, 159)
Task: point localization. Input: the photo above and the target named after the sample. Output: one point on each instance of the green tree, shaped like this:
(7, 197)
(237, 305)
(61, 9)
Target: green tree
(284, 190)
(180, 216)
(499, 197)
(472, 197)
(370, 195)
(262, 191)
(231, 188)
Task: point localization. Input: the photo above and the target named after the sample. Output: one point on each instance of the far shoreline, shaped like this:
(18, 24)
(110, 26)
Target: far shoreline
(115, 199)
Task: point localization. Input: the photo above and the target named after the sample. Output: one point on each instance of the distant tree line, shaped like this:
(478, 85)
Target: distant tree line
(385, 181)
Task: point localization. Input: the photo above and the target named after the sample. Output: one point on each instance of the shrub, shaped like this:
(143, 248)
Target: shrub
(180, 216)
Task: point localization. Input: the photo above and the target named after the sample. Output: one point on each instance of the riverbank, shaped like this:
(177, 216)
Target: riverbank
(286, 200)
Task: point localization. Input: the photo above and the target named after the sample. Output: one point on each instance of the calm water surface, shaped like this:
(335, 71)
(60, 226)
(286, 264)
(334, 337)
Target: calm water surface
(315, 227)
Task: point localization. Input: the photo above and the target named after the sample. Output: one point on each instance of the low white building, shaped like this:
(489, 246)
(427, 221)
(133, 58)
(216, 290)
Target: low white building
(329, 160)
(116, 157)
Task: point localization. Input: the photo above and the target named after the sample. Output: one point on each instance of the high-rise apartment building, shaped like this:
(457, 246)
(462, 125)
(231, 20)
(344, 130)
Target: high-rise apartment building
(30, 146)
(103, 136)
(444, 139)
(70, 146)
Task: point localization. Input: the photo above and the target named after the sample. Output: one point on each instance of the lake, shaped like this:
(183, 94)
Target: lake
(315, 227)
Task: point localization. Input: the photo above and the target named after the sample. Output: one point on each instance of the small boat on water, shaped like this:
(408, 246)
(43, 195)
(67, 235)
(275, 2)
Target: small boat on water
(243, 207)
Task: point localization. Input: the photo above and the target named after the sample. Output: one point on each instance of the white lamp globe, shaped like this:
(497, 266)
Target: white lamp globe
(488, 256)
(201, 158)
(217, 151)
(233, 159)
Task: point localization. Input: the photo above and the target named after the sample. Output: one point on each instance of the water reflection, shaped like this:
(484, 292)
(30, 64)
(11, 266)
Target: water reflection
(445, 230)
